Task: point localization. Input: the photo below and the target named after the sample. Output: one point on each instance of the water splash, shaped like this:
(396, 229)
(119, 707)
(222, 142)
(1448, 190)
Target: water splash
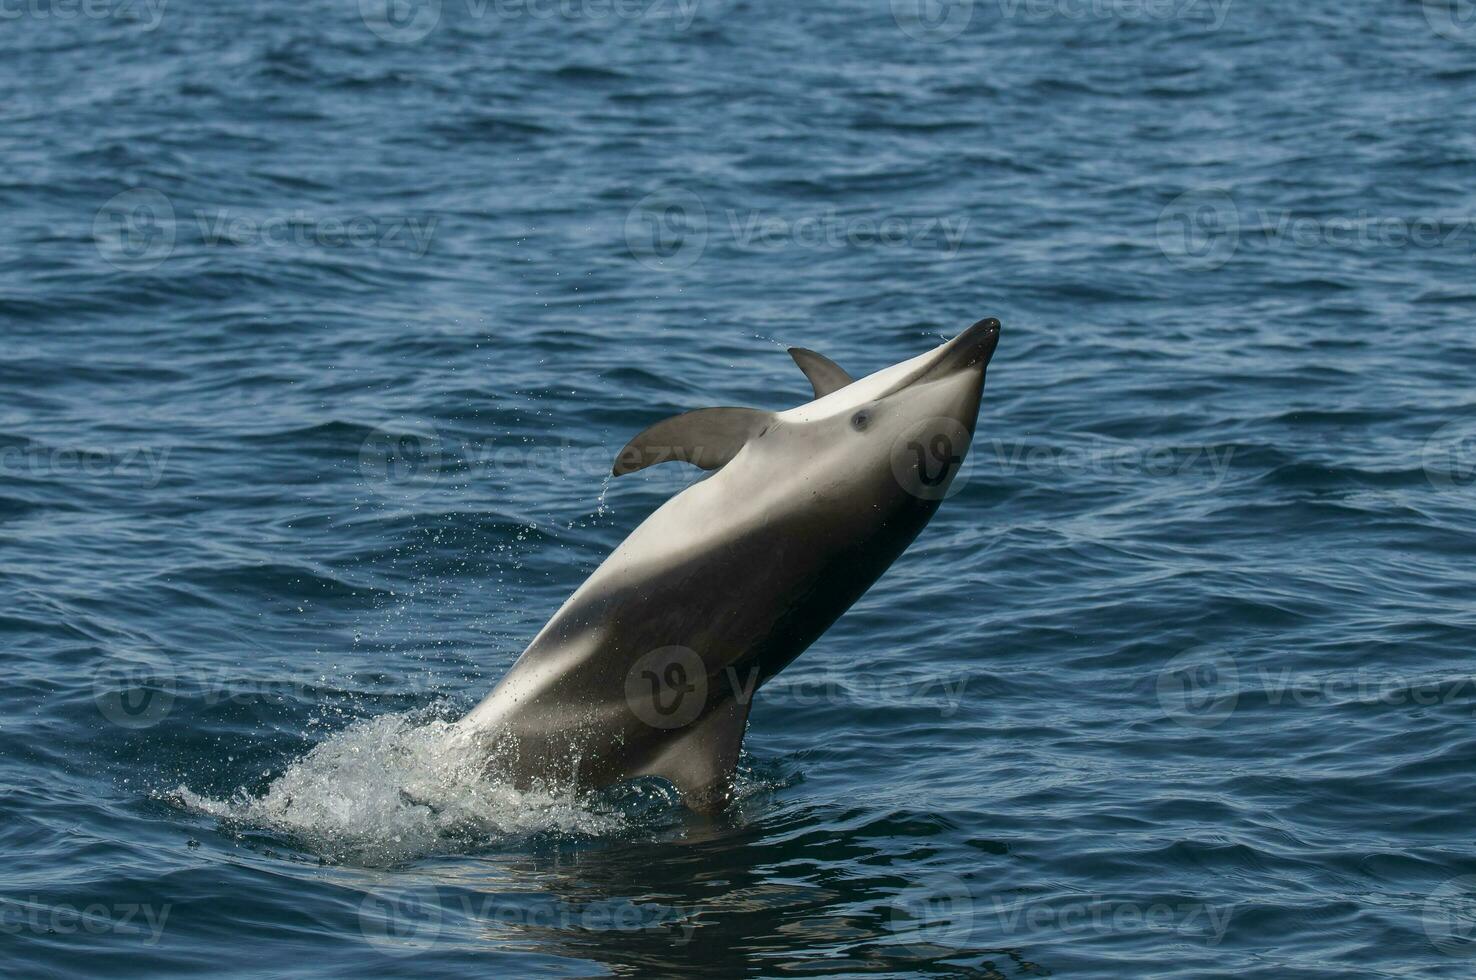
(401, 786)
(602, 508)
(773, 340)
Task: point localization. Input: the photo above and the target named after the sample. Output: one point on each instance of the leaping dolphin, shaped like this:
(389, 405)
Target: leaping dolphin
(650, 667)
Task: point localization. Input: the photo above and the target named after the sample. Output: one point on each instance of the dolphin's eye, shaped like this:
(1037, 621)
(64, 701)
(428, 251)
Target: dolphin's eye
(861, 420)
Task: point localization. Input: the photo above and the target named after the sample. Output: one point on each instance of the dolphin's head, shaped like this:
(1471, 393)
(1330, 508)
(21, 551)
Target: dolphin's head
(888, 446)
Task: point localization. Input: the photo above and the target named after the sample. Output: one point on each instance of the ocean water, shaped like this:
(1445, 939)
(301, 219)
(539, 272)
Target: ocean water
(321, 323)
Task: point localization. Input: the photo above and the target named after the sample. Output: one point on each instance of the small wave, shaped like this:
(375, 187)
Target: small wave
(401, 786)
(14, 507)
(589, 73)
(272, 579)
(487, 128)
(1316, 475)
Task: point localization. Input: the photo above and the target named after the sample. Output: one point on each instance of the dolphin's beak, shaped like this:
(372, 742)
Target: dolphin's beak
(971, 349)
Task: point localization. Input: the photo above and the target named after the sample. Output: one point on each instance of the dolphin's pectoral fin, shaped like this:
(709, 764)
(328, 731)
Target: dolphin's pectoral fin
(825, 375)
(707, 438)
(700, 760)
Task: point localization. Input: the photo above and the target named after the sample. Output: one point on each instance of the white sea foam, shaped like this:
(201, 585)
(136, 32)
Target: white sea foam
(400, 786)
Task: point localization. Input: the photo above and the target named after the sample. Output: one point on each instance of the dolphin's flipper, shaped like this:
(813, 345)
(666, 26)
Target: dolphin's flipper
(700, 760)
(707, 438)
(825, 375)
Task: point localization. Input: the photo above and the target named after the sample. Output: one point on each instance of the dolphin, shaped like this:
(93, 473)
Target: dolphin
(650, 667)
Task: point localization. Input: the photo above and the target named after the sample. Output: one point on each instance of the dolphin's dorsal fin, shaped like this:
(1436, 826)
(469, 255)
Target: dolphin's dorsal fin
(825, 375)
(707, 438)
(700, 760)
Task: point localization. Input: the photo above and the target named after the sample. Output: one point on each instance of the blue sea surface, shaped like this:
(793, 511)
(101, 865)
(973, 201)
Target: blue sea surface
(321, 324)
